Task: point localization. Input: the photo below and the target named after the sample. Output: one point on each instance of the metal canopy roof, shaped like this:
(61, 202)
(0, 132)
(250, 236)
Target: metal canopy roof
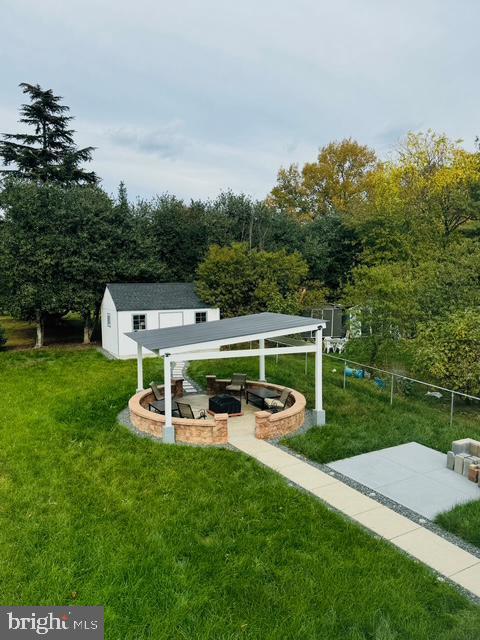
(223, 332)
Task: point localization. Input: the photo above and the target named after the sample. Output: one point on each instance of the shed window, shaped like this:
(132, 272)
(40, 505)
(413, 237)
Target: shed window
(200, 316)
(139, 322)
(109, 320)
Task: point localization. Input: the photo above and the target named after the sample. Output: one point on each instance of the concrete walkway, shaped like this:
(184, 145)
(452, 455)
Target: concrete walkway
(420, 543)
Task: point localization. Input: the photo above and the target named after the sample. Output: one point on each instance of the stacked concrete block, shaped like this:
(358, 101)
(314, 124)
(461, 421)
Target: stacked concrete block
(473, 472)
(464, 458)
(462, 446)
(467, 463)
(450, 460)
(459, 462)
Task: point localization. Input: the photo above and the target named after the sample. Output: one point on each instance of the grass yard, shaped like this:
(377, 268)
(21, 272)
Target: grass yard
(360, 418)
(180, 542)
(464, 521)
(21, 334)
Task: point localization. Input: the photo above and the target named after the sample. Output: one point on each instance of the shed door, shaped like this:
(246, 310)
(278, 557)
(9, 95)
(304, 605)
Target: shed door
(170, 319)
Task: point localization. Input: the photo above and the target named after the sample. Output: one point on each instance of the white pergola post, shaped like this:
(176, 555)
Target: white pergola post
(139, 367)
(319, 412)
(168, 431)
(261, 344)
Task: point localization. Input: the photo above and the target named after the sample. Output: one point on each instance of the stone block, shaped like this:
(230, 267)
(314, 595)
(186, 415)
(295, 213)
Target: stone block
(450, 460)
(461, 446)
(475, 448)
(458, 466)
(467, 463)
(473, 473)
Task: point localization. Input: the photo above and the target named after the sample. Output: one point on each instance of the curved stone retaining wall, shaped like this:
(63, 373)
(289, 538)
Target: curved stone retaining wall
(211, 431)
(214, 430)
(269, 426)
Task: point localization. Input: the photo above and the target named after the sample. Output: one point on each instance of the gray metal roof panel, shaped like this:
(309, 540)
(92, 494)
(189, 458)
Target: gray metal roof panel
(229, 328)
(148, 296)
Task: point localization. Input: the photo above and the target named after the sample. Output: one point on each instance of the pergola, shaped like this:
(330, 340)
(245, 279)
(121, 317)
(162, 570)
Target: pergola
(203, 342)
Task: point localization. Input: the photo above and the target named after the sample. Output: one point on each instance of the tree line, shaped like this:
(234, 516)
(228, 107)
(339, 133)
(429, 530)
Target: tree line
(396, 240)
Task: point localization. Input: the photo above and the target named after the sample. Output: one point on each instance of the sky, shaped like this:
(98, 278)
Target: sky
(192, 98)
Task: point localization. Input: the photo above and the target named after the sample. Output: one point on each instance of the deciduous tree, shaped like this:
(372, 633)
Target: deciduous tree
(337, 183)
(57, 250)
(448, 349)
(242, 281)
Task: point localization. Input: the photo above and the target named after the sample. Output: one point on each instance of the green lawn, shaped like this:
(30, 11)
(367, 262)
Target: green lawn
(360, 418)
(463, 521)
(180, 542)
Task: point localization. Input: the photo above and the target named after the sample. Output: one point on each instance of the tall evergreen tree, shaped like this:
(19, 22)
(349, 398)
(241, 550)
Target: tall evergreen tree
(49, 154)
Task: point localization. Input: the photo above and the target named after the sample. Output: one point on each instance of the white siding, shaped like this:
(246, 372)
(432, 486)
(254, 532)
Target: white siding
(128, 348)
(109, 333)
(170, 319)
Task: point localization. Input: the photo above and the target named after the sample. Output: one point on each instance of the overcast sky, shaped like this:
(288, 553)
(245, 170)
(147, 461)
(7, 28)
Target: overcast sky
(193, 97)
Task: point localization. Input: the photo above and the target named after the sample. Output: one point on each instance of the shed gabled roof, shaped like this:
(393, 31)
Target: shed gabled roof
(223, 332)
(148, 296)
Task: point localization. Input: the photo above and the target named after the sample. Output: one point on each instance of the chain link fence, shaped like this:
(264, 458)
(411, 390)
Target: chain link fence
(395, 385)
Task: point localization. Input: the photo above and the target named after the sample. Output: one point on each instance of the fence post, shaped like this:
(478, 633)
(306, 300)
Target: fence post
(451, 408)
(391, 390)
(344, 374)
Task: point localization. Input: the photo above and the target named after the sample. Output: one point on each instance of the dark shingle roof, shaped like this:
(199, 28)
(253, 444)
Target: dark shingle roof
(133, 296)
(229, 329)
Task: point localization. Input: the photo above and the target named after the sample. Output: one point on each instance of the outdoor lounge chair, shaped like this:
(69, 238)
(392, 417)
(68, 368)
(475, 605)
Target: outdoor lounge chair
(158, 405)
(156, 391)
(278, 404)
(237, 384)
(185, 411)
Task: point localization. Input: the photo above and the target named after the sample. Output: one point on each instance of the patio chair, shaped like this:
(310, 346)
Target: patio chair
(156, 391)
(237, 384)
(278, 404)
(185, 411)
(328, 344)
(158, 405)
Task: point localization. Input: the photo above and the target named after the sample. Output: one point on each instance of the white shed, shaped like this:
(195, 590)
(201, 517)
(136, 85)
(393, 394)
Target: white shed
(136, 306)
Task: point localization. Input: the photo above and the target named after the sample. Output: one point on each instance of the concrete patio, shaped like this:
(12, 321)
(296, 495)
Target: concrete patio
(237, 425)
(411, 474)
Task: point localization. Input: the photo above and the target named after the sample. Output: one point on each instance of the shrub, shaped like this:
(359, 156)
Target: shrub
(449, 350)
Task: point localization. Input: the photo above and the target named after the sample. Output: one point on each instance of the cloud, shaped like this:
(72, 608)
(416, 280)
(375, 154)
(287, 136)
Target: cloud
(391, 135)
(193, 97)
(167, 141)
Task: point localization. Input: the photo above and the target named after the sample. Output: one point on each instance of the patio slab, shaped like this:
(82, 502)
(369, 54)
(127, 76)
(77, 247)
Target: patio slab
(412, 475)
(307, 476)
(372, 470)
(385, 522)
(468, 578)
(441, 555)
(344, 498)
